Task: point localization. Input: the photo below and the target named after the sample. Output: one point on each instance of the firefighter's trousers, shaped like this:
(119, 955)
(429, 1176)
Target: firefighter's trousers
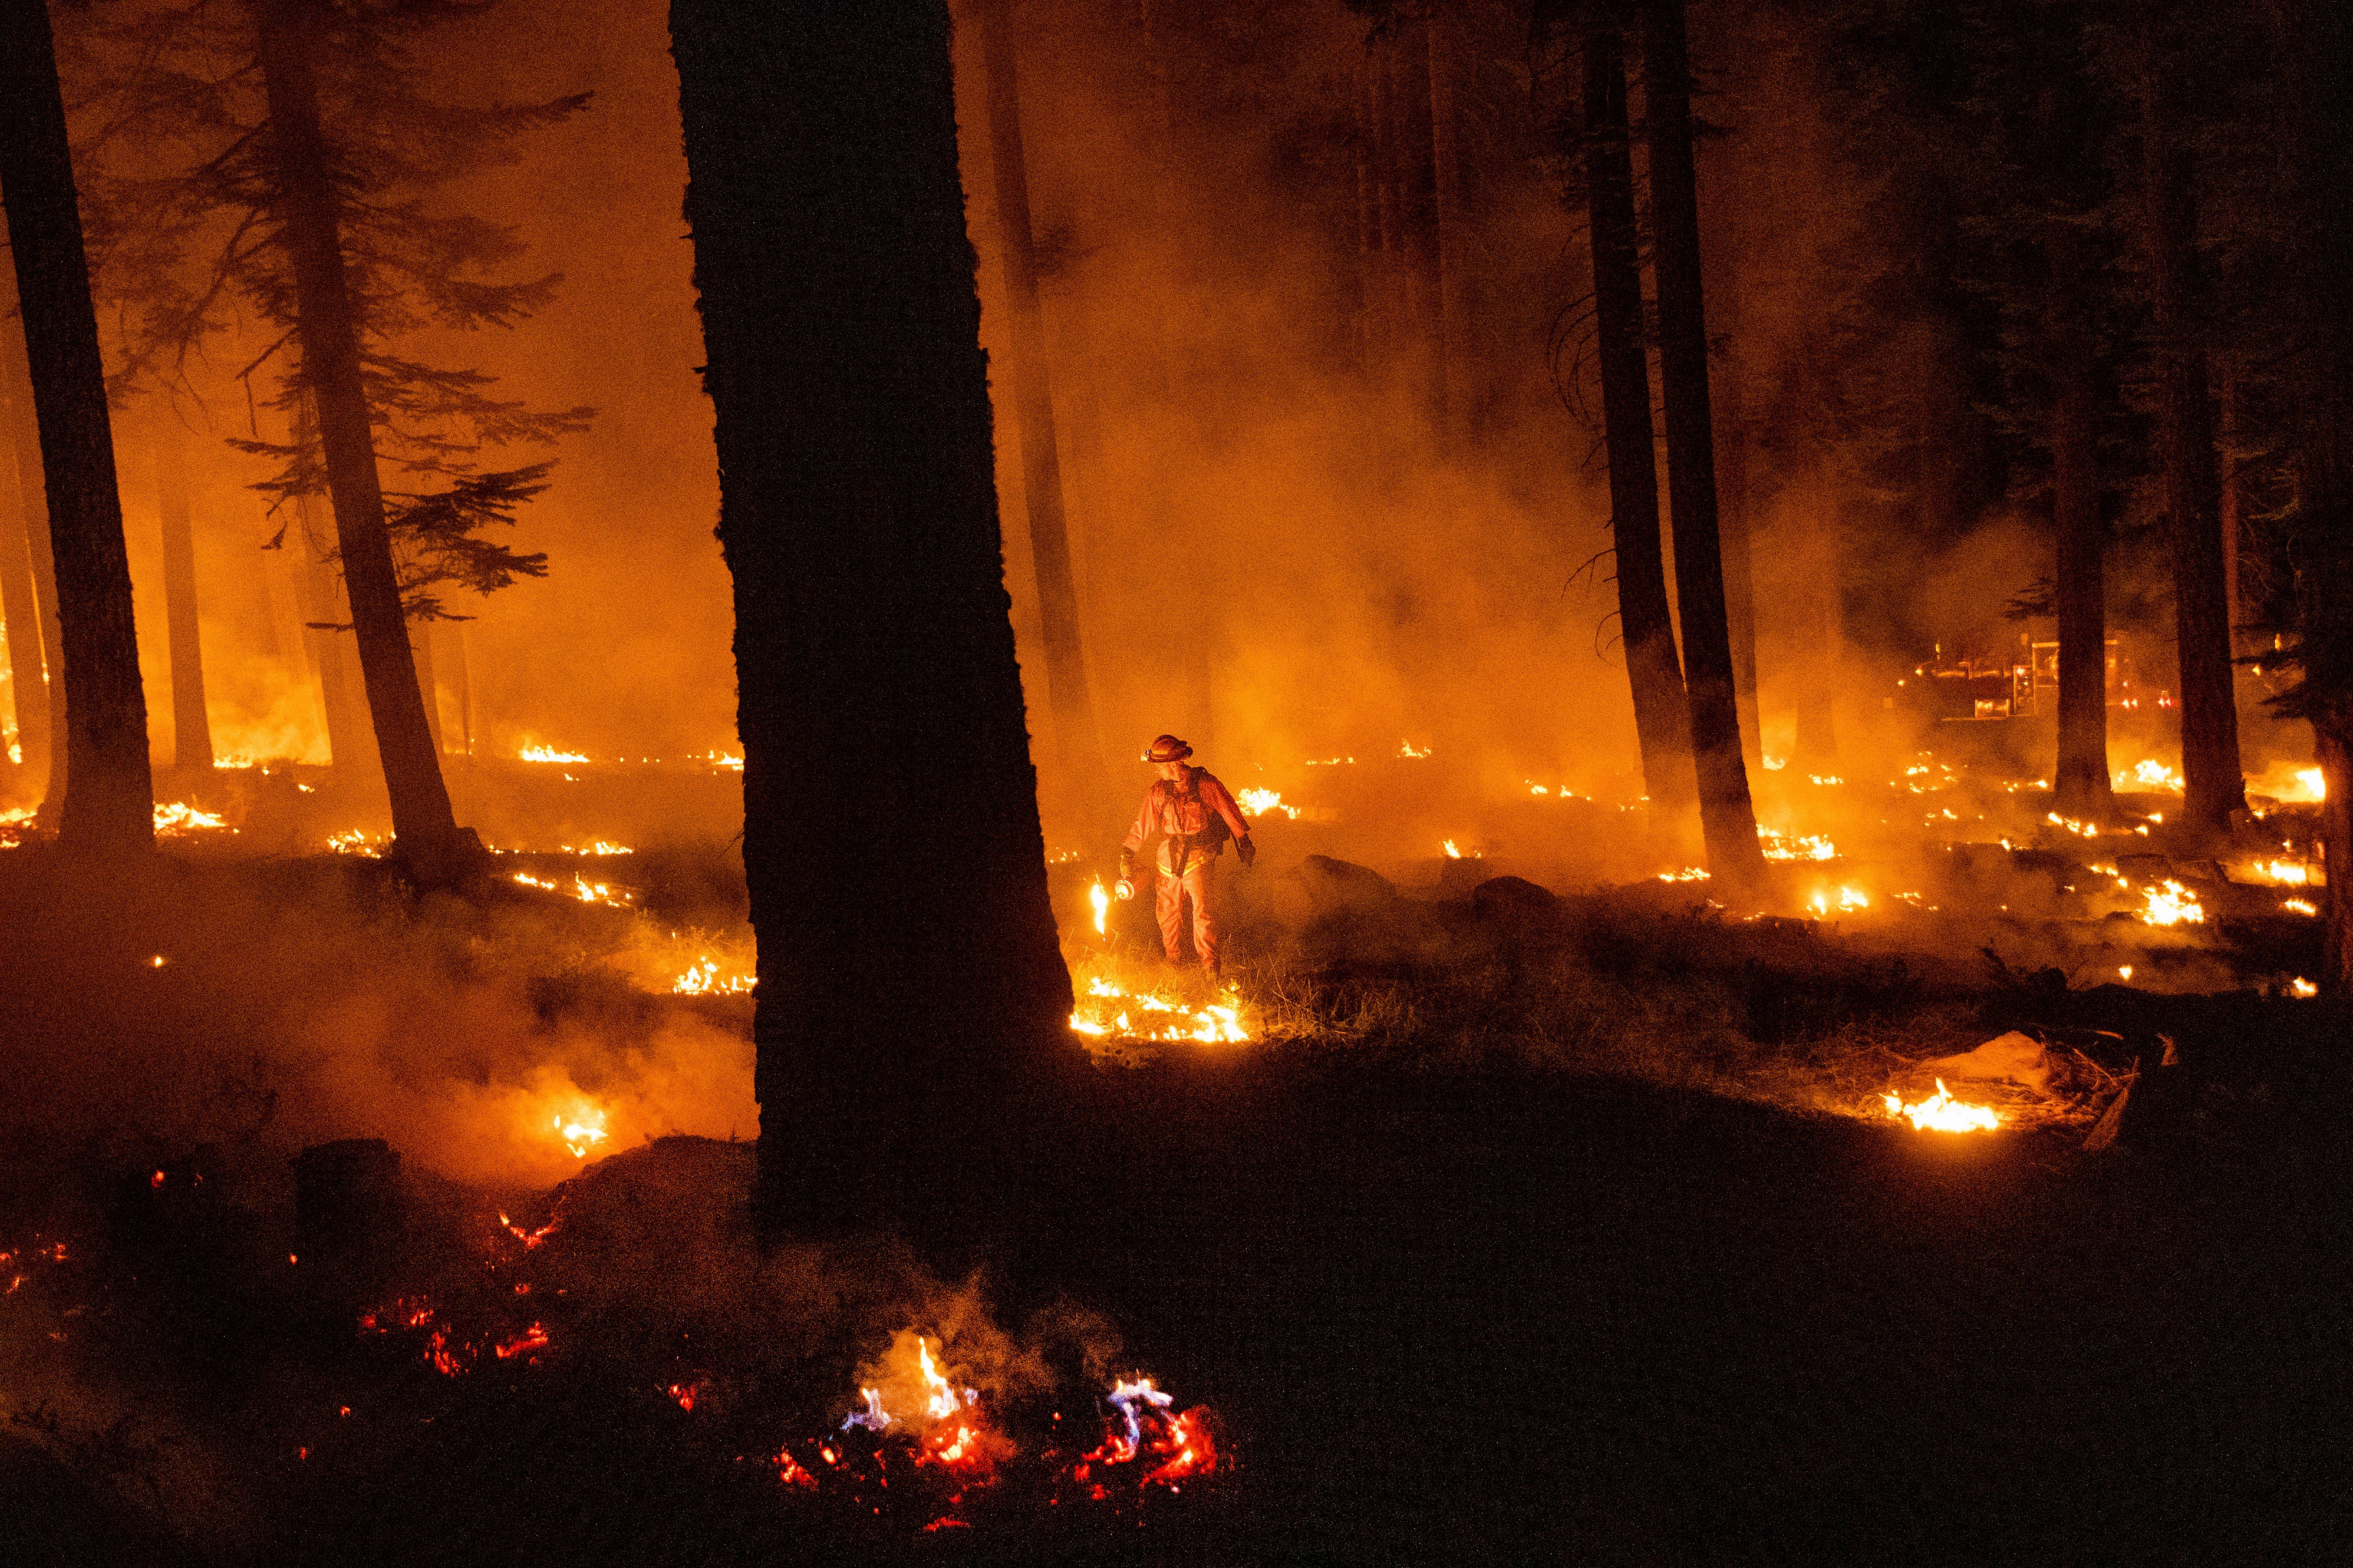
(1199, 884)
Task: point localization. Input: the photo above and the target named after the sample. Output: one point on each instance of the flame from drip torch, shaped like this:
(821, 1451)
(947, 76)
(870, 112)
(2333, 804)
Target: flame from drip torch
(1101, 901)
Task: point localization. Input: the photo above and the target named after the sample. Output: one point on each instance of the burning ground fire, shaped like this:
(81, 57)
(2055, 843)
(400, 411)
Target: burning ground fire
(1110, 1008)
(1940, 1112)
(948, 1444)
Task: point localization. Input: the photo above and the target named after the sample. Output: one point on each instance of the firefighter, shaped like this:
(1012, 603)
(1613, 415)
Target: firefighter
(1194, 814)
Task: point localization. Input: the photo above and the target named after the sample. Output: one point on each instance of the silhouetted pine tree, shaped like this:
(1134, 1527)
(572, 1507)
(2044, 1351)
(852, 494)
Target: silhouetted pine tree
(297, 144)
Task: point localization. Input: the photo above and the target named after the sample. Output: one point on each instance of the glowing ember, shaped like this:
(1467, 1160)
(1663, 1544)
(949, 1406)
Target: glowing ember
(702, 978)
(725, 760)
(2147, 774)
(1329, 761)
(1792, 847)
(2300, 986)
(580, 1131)
(1825, 778)
(1688, 874)
(2088, 829)
(530, 1339)
(358, 842)
(1774, 764)
(1102, 902)
(1451, 852)
(2125, 969)
(2169, 903)
(600, 848)
(178, 817)
(1408, 750)
(2279, 873)
(2299, 906)
(1940, 1112)
(1146, 1430)
(549, 754)
(1258, 802)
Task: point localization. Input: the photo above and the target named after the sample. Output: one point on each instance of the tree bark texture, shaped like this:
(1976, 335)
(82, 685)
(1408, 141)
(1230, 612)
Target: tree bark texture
(20, 602)
(1067, 693)
(2080, 777)
(909, 973)
(2214, 786)
(1727, 817)
(192, 733)
(423, 827)
(109, 809)
(1646, 625)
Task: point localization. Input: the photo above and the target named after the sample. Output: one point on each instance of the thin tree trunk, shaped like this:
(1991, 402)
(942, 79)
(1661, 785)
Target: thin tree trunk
(110, 808)
(462, 681)
(2231, 500)
(1646, 625)
(2080, 777)
(25, 430)
(1814, 749)
(2214, 786)
(1732, 478)
(20, 602)
(428, 686)
(909, 974)
(1446, 228)
(192, 731)
(1033, 407)
(1727, 819)
(423, 827)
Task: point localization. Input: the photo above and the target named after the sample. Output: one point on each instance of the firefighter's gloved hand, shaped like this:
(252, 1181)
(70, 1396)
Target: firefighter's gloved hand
(1123, 887)
(1245, 849)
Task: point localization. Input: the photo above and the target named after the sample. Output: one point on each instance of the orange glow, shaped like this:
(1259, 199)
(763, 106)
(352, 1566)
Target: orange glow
(702, 978)
(581, 1130)
(1779, 846)
(1102, 902)
(1109, 1008)
(1940, 1112)
(176, 817)
(1259, 802)
(549, 754)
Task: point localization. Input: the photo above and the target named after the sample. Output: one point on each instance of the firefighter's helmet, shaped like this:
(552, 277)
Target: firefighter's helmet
(1168, 749)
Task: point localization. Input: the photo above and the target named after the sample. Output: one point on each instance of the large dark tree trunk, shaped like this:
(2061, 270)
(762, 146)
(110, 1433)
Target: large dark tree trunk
(110, 807)
(1727, 819)
(2201, 609)
(1033, 407)
(909, 971)
(20, 603)
(425, 829)
(1646, 625)
(192, 731)
(2081, 779)
(1732, 478)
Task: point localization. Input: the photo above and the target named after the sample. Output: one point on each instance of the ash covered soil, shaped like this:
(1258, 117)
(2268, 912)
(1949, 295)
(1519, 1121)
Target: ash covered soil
(1496, 1265)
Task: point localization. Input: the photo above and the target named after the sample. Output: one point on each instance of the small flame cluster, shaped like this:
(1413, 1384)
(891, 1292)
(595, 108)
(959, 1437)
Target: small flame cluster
(586, 892)
(177, 818)
(1940, 1112)
(1779, 846)
(549, 754)
(704, 977)
(2169, 903)
(1262, 802)
(947, 1447)
(1108, 1009)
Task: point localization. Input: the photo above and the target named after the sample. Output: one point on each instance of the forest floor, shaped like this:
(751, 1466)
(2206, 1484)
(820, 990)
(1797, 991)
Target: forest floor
(1527, 1229)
